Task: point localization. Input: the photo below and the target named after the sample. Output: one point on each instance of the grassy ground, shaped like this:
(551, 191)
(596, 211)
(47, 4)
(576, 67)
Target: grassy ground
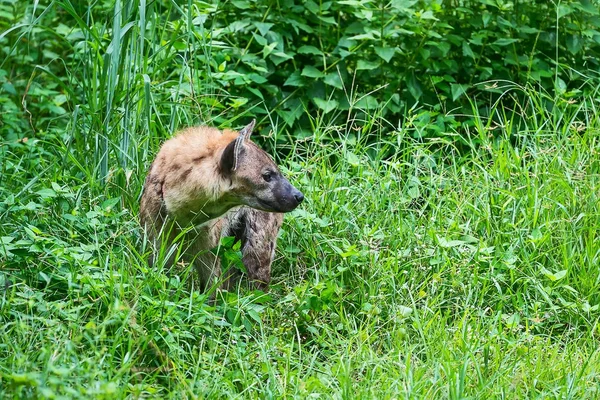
(416, 276)
(464, 266)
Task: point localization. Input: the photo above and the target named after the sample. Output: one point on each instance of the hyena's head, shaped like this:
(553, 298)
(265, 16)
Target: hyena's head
(256, 180)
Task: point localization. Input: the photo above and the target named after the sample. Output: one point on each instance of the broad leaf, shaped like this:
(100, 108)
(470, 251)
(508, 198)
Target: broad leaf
(295, 79)
(326, 105)
(505, 41)
(333, 79)
(414, 87)
(366, 65)
(386, 53)
(263, 27)
(458, 90)
(311, 72)
(309, 50)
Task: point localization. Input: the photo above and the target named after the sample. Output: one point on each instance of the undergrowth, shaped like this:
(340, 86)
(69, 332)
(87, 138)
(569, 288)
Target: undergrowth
(431, 258)
(429, 273)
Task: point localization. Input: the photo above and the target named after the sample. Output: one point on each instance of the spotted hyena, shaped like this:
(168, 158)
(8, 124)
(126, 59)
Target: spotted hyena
(206, 184)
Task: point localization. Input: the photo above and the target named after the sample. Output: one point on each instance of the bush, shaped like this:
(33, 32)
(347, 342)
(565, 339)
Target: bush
(292, 64)
(389, 56)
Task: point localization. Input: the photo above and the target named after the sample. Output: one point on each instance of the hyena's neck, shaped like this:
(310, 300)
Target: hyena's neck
(197, 199)
(201, 211)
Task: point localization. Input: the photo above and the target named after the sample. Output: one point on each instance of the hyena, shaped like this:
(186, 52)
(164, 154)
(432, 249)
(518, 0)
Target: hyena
(206, 184)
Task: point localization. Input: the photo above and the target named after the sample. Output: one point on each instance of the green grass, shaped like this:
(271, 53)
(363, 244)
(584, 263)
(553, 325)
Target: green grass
(461, 266)
(421, 276)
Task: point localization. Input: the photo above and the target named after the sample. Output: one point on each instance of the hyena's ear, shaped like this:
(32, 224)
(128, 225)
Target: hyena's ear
(231, 154)
(247, 130)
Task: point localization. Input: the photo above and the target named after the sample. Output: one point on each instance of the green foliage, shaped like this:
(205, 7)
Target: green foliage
(449, 241)
(286, 62)
(426, 274)
(387, 57)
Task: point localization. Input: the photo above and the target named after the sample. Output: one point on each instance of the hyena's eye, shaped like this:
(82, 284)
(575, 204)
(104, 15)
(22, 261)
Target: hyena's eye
(267, 176)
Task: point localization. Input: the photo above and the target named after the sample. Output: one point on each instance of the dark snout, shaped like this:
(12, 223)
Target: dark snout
(298, 196)
(283, 197)
(290, 198)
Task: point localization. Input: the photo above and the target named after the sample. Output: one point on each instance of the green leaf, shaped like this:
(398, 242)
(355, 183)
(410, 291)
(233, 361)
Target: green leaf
(354, 3)
(309, 50)
(6, 239)
(386, 53)
(268, 49)
(257, 78)
(564, 10)
(365, 36)
(466, 50)
(46, 193)
(260, 40)
(368, 102)
(554, 276)
(237, 26)
(328, 20)
(513, 321)
(9, 88)
(443, 47)
(254, 315)
(574, 43)
(300, 26)
(231, 75)
(312, 6)
(505, 41)
(256, 92)
(278, 57)
(290, 116)
(561, 86)
(333, 79)
(110, 203)
(60, 99)
(404, 311)
(263, 27)
(294, 80)
(414, 87)
(458, 90)
(536, 234)
(366, 65)
(487, 17)
(428, 15)
(450, 243)
(326, 105)
(238, 102)
(311, 72)
(244, 5)
(589, 7)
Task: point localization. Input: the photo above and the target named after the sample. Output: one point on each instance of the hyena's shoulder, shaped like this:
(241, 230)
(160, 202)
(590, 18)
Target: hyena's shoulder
(184, 172)
(194, 145)
(191, 156)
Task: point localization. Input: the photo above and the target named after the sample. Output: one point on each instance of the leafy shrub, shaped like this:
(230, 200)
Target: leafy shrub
(292, 64)
(331, 56)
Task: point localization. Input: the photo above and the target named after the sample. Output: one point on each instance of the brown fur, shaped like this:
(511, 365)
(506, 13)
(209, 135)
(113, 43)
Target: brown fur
(199, 189)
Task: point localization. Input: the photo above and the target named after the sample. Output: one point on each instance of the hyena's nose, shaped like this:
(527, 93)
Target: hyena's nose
(299, 196)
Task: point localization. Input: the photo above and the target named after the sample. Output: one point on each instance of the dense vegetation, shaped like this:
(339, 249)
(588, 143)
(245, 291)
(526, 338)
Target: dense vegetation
(449, 152)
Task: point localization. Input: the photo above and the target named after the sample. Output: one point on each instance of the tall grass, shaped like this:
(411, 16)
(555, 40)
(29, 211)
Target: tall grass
(455, 267)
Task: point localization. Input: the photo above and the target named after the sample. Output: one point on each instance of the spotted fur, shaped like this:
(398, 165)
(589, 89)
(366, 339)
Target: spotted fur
(205, 184)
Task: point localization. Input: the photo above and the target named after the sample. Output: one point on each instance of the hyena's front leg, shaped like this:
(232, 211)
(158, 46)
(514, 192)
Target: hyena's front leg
(206, 261)
(208, 268)
(258, 251)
